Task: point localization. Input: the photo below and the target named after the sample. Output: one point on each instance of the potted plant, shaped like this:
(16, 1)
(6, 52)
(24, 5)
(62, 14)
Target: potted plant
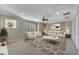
(43, 33)
(3, 35)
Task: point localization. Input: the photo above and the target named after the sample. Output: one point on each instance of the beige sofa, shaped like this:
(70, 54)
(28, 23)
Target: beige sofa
(29, 35)
(32, 35)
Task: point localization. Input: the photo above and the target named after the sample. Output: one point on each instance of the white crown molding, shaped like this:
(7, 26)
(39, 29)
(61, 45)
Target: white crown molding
(76, 10)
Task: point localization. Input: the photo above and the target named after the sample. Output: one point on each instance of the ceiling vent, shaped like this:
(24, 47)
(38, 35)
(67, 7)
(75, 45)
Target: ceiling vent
(66, 13)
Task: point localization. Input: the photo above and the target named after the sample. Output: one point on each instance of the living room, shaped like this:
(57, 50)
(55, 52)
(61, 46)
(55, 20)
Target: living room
(48, 29)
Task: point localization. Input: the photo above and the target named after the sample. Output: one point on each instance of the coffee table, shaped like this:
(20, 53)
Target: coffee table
(55, 39)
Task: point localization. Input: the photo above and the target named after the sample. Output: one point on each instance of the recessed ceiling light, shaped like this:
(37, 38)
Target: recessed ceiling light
(21, 14)
(57, 13)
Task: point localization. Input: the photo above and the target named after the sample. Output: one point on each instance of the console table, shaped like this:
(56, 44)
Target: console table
(67, 35)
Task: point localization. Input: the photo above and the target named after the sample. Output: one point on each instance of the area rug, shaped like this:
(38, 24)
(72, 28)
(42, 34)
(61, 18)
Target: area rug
(49, 47)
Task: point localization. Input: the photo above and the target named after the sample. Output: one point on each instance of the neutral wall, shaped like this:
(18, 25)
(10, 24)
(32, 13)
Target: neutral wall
(2, 21)
(62, 29)
(68, 26)
(65, 26)
(75, 31)
(14, 33)
(18, 32)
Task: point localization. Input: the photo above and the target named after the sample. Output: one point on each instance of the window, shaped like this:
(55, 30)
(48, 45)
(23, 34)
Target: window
(30, 27)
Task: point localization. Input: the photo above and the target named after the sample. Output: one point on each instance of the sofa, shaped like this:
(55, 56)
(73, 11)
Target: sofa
(29, 35)
(32, 35)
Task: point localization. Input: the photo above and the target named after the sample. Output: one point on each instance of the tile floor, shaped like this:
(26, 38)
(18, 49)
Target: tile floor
(22, 48)
(71, 48)
(41, 47)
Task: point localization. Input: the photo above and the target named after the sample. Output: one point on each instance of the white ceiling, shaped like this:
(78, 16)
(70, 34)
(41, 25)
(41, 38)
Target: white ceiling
(35, 12)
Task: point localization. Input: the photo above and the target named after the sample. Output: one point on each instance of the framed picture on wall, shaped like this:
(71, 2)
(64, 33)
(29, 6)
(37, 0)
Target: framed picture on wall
(10, 23)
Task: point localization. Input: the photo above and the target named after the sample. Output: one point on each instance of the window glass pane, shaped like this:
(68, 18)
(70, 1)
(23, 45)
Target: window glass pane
(30, 27)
